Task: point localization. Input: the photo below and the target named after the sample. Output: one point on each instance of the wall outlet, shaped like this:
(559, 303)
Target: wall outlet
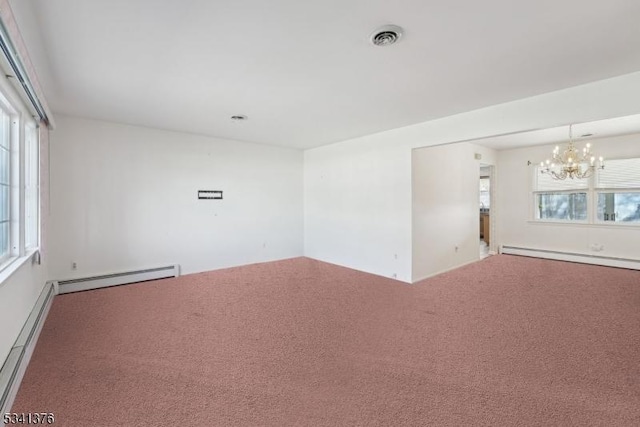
(456, 249)
(597, 247)
(394, 275)
(74, 265)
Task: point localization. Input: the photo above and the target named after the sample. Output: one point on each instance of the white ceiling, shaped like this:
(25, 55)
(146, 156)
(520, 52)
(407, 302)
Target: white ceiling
(305, 73)
(581, 131)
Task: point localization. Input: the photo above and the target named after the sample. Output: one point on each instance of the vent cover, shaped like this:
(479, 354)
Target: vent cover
(387, 35)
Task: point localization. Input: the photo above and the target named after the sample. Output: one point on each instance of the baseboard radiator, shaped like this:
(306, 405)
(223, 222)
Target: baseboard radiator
(106, 280)
(16, 363)
(633, 264)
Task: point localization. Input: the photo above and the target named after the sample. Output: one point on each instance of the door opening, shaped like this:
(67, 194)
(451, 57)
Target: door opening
(485, 210)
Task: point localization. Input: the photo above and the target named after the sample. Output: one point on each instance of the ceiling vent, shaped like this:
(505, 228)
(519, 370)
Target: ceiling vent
(387, 35)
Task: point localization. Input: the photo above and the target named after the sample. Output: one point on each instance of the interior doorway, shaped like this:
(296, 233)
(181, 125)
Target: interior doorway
(486, 172)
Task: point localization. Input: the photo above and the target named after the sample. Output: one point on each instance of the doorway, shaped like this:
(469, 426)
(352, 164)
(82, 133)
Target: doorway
(485, 210)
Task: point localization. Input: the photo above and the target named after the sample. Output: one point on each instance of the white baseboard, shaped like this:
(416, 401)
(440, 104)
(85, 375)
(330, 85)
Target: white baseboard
(115, 279)
(445, 271)
(607, 261)
(16, 363)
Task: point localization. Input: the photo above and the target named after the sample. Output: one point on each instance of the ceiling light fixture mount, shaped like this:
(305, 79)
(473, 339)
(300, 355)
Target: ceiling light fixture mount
(386, 35)
(570, 163)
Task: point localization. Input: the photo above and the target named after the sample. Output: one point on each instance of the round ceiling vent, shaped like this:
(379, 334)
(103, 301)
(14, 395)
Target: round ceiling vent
(387, 35)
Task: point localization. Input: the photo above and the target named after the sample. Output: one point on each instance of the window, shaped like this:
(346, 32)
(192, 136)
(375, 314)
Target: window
(611, 196)
(618, 190)
(565, 200)
(618, 207)
(19, 180)
(31, 186)
(563, 206)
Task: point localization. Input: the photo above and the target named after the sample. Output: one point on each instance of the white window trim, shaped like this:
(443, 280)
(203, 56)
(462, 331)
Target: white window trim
(34, 126)
(13, 264)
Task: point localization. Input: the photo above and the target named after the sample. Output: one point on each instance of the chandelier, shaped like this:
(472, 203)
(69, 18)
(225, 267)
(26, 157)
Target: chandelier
(571, 163)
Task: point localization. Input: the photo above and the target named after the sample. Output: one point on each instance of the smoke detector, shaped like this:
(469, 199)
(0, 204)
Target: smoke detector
(387, 35)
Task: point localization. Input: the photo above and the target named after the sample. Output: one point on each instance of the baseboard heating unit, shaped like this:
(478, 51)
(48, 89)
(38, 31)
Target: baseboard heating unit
(106, 280)
(633, 264)
(16, 363)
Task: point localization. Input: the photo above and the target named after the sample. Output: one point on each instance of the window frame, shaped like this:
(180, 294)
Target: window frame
(19, 119)
(31, 164)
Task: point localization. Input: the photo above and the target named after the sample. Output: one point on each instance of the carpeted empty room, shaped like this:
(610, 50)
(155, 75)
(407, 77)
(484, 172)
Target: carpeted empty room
(319, 213)
(505, 341)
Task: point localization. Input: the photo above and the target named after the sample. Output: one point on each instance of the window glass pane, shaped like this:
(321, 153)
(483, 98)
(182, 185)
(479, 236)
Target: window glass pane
(4, 166)
(4, 239)
(5, 161)
(619, 207)
(485, 199)
(4, 130)
(563, 206)
(623, 173)
(4, 203)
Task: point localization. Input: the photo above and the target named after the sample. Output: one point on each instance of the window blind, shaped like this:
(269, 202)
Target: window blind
(622, 173)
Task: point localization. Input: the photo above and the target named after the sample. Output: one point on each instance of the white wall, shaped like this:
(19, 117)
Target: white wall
(355, 208)
(357, 193)
(125, 197)
(516, 213)
(18, 294)
(445, 207)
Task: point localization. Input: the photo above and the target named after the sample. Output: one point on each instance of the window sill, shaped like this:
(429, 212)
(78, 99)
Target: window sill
(618, 225)
(13, 264)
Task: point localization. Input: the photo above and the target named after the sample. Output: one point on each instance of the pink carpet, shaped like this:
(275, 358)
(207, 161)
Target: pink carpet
(505, 341)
